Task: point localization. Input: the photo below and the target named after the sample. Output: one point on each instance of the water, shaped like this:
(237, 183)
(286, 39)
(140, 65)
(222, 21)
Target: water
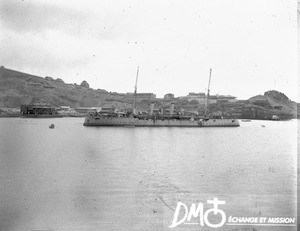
(96, 178)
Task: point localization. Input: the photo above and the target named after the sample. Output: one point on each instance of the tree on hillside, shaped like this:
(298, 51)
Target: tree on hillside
(60, 80)
(85, 84)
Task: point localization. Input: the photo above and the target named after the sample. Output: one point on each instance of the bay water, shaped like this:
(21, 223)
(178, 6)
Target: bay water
(115, 178)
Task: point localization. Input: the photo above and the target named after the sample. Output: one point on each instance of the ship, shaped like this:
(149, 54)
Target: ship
(136, 119)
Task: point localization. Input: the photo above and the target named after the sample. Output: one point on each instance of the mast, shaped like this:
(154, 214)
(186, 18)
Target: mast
(207, 96)
(135, 91)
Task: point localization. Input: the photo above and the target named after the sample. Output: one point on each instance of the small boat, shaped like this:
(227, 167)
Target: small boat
(263, 126)
(51, 126)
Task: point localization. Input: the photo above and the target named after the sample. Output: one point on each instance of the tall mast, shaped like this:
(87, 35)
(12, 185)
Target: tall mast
(207, 96)
(135, 91)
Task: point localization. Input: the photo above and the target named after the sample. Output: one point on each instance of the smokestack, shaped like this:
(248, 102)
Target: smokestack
(151, 108)
(171, 109)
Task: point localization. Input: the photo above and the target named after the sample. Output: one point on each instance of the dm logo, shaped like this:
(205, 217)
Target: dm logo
(198, 211)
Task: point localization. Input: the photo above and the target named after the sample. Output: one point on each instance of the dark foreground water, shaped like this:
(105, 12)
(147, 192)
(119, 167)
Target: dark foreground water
(92, 178)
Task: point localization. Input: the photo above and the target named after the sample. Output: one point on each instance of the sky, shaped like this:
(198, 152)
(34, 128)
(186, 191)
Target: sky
(251, 45)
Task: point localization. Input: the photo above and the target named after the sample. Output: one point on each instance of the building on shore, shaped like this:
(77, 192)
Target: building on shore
(38, 107)
(141, 95)
(108, 109)
(219, 99)
(169, 96)
(64, 108)
(85, 110)
(200, 97)
(10, 111)
(193, 95)
(226, 99)
(213, 99)
(67, 111)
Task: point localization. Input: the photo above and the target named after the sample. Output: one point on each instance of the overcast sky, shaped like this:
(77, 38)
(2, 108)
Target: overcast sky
(251, 45)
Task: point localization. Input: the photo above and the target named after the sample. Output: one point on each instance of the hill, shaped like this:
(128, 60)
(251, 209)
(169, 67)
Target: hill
(18, 88)
(275, 101)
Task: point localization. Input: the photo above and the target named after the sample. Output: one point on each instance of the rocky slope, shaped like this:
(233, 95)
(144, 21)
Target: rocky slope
(18, 88)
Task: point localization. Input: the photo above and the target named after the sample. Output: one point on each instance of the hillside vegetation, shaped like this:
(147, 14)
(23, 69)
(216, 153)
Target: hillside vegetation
(18, 88)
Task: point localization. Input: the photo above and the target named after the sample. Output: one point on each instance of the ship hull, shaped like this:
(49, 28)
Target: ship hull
(135, 122)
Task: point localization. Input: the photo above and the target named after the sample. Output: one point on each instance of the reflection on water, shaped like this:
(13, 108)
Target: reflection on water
(92, 178)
